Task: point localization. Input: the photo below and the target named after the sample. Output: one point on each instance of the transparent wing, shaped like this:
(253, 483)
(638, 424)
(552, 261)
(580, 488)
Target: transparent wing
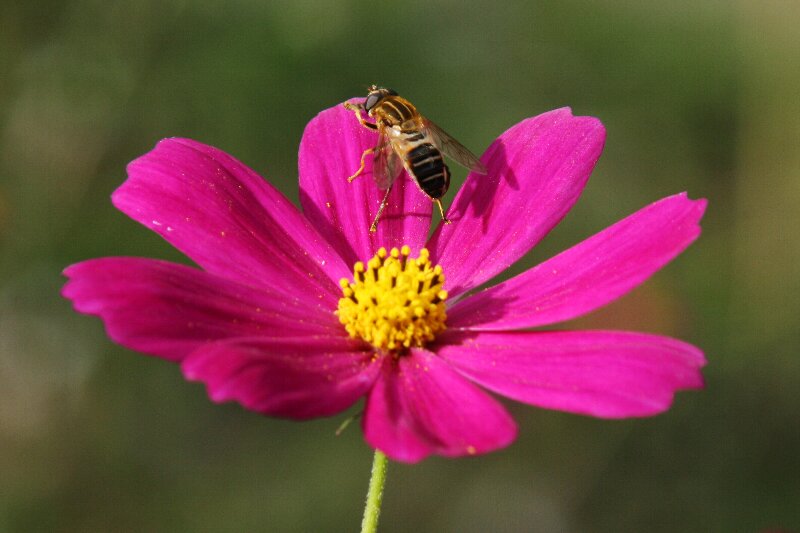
(452, 148)
(384, 167)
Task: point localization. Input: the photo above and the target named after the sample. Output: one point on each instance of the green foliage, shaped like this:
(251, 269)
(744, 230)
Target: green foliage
(695, 96)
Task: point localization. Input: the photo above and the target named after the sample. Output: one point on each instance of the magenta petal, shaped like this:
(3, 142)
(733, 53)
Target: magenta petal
(419, 406)
(300, 378)
(228, 219)
(589, 275)
(536, 171)
(606, 374)
(168, 310)
(329, 153)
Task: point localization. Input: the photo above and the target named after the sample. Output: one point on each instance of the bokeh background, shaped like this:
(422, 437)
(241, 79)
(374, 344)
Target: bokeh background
(696, 96)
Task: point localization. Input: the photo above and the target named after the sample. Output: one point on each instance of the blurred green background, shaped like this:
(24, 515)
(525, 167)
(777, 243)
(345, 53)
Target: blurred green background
(697, 96)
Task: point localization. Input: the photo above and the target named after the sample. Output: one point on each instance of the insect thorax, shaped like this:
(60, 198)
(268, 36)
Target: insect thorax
(394, 111)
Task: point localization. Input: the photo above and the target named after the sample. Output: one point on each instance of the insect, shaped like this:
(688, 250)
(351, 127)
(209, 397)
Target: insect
(405, 135)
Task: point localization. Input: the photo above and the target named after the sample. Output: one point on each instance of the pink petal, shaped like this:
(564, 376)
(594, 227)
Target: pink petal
(606, 374)
(536, 171)
(419, 406)
(168, 310)
(329, 153)
(589, 275)
(228, 220)
(302, 377)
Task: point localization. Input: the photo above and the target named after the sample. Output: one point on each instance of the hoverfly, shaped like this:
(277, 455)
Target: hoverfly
(405, 135)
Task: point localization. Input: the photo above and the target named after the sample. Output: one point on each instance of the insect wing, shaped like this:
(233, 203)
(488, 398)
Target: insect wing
(452, 148)
(384, 166)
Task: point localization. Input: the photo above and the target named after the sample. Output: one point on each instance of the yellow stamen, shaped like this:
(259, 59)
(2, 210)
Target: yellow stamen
(394, 303)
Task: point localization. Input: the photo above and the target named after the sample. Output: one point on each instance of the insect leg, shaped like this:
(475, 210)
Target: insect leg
(441, 210)
(374, 227)
(357, 108)
(363, 155)
(361, 168)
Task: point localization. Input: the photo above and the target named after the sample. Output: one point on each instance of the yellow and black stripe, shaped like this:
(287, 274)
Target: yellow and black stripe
(427, 165)
(396, 112)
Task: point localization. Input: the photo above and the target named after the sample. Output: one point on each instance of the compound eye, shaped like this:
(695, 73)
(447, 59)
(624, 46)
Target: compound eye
(372, 100)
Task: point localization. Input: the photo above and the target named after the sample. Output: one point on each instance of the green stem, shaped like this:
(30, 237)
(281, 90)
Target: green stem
(373, 508)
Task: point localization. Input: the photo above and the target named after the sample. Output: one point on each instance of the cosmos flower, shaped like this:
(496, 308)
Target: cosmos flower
(300, 314)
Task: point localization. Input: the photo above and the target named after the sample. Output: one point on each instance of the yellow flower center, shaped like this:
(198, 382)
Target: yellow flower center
(395, 302)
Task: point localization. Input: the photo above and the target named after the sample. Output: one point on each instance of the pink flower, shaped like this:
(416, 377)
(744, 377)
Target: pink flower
(264, 321)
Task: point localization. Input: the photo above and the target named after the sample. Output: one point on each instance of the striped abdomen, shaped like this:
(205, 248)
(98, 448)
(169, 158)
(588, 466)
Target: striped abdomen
(400, 119)
(426, 164)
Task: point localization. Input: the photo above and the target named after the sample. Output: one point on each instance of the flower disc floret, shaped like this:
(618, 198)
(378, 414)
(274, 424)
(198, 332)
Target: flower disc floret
(394, 302)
